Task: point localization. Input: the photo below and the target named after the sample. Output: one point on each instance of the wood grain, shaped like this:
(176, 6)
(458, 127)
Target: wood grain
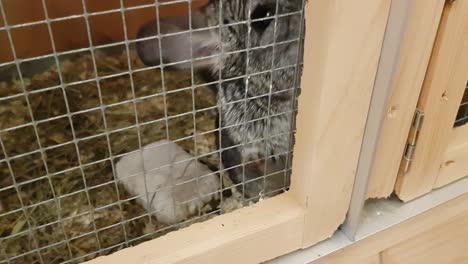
(440, 98)
(337, 87)
(397, 234)
(249, 235)
(455, 162)
(423, 22)
(446, 243)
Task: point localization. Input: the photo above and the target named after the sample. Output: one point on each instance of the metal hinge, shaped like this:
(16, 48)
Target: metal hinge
(411, 144)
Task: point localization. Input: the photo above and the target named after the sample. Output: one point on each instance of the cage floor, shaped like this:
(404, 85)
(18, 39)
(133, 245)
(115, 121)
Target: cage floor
(50, 182)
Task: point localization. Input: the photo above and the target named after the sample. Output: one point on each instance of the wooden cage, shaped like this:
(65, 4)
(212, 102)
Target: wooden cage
(420, 143)
(422, 146)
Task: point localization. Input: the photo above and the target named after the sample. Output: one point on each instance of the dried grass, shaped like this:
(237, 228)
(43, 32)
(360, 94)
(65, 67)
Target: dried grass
(74, 204)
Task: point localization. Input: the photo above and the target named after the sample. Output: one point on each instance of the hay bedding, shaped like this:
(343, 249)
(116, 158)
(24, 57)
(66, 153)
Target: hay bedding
(76, 206)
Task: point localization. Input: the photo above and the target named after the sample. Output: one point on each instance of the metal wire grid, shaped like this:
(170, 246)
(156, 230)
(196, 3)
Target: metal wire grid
(462, 115)
(63, 243)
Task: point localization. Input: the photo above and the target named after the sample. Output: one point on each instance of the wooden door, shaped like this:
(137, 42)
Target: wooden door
(441, 152)
(415, 51)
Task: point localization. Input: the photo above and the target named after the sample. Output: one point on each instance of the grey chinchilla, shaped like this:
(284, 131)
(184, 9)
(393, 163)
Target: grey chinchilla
(244, 43)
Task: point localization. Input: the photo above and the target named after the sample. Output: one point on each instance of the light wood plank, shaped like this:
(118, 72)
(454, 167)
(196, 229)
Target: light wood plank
(455, 162)
(440, 98)
(417, 43)
(249, 235)
(376, 259)
(425, 222)
(446, 243)
(335, 95)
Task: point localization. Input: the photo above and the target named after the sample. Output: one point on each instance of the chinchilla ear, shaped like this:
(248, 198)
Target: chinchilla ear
(176, 47)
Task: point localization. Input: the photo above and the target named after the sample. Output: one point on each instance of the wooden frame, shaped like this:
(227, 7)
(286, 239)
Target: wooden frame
(440, 99)
(447, 245)
(455, 160)
(382, 246)
(343, 45)
(416, 48)
(394, 32)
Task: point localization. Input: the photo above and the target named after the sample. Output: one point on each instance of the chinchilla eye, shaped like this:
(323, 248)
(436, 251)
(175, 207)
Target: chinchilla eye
(261, 12)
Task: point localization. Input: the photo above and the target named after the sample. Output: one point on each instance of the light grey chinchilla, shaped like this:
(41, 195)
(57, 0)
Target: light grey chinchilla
(242, 44)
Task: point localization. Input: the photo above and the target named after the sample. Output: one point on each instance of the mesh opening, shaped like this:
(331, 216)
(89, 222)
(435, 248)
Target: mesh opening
(462, 114)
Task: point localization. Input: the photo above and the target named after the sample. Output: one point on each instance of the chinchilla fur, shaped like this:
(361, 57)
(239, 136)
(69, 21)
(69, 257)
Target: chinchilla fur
(255, 102)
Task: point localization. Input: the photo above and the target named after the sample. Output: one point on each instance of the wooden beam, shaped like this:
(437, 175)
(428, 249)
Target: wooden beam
(445, 243)
(440, 99)
(337, 87)
(374, 244)
(417, 43)
(248, 235)
(455, 162)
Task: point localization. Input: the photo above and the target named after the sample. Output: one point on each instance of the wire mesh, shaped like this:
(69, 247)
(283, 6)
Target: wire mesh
(462, 114)
(71, 114)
